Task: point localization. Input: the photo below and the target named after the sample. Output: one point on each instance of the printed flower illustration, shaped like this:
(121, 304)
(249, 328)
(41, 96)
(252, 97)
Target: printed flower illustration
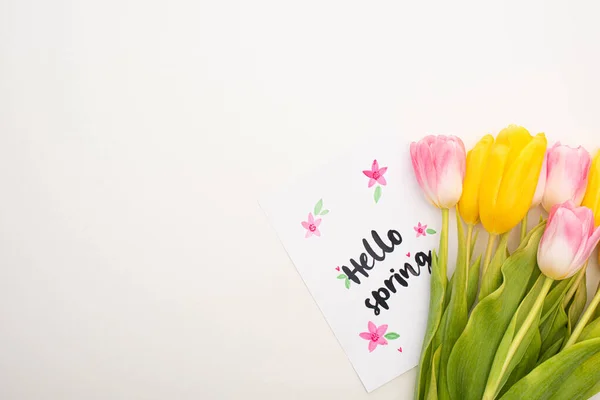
(312, 226)
(423, 231)
(375, 175)
(420, 229)
(377, 336)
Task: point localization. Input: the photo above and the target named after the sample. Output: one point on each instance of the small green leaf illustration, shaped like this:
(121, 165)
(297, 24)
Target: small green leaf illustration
(324, 212)
(391, 336)
(342, 276)
(347, 283)
(431, 231)
(377, 195)
(318, 207)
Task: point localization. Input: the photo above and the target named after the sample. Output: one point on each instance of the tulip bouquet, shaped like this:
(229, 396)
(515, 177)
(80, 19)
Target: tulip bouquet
(511, 325)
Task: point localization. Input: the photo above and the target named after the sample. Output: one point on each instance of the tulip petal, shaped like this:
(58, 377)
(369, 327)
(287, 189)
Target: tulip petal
(512, 205)
(490, 186)
(449, 162)
(541, 186)
(567, 175)
(516, 138)
(468, 206)
(560, 244)
(424, 170)
(414, 155)
(586, 250)
(592, 194)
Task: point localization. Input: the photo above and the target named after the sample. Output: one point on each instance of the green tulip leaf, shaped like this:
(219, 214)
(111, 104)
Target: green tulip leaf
(432, 392)
(473, 353)
(554, 329)
(473, 285)
(573, 374)
(513, 346)
(591, 331)
(438, 284)
(577, 306)
(527, 363)
(492, 277)
(457, 311)
(552, 351)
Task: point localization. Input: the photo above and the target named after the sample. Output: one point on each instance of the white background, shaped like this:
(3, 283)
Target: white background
(136, 136)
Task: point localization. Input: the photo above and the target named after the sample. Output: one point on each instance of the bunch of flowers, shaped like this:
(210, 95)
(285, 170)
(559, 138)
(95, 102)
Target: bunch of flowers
(511, 325)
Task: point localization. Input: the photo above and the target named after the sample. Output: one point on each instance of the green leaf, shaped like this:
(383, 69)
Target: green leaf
(432, 393)
(377, 194)
(577, 306)
(472, 356)
(438, 283)
(552, 330)
(318, 207)
(551, 352)
(342, 276)
(527, 363)
(430, 231)
(555, 298)
(519, 335)
(573, 374)
(347, 283)
(473, 282)
(457, 312)
(324, 212)
(591, 331)
(492, 277)
(391, 336)
(553, 325)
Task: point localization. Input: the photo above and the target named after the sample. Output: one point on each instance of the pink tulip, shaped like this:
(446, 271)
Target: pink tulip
(567, 175)
(541, 186)
(568, 241)
(439, 165)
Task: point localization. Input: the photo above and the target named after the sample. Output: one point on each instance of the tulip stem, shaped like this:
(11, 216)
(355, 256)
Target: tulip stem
(493, 387)
(488, 252)
(524, 227)
(443, 254)
(574, 285)
(585, 318)
(469, 240)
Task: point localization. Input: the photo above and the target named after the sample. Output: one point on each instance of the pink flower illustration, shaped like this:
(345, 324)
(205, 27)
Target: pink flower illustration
(375, 336)
(312, 226)
(376, 174)
(421, 230)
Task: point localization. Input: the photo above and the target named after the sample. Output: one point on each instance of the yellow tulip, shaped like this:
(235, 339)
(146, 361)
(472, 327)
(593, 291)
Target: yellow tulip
(510, 178)
(468, 206)
(592, 194)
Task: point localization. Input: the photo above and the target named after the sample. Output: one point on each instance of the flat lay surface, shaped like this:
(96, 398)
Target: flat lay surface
(136, 138)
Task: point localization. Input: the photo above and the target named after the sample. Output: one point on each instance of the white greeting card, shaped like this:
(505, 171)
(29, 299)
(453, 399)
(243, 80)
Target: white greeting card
(360, 234)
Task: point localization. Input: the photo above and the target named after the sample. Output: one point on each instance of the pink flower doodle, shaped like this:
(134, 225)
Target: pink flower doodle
(421, 230)
(375, 336)
(376, 174)
(312, 226)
